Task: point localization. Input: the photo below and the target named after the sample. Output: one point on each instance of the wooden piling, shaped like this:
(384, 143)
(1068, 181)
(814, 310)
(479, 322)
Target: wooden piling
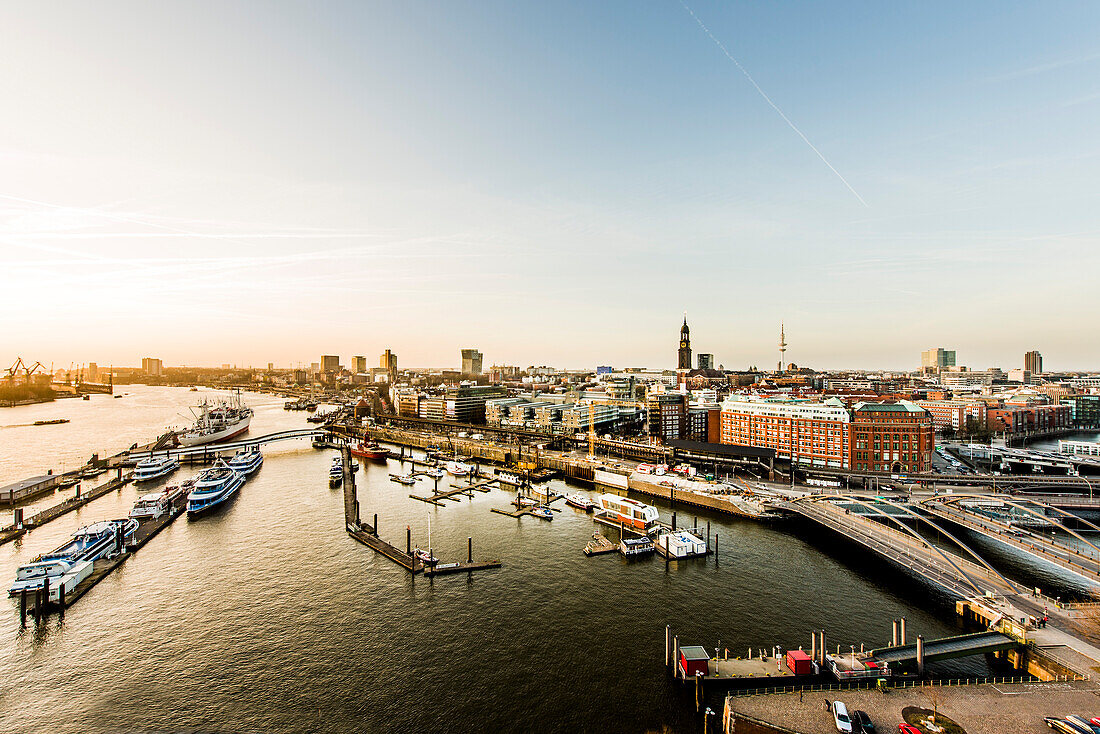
(901, 629)
(23, 607)
(716, 549)
(45, 594)
(375, 523)
(920, 654)
(469, 549)
(675, 656)
(408, 539)
(668, 646)
(674, 521)
(61, 600)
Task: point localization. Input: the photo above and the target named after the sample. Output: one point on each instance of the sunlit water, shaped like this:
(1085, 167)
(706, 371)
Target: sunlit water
(267, 617)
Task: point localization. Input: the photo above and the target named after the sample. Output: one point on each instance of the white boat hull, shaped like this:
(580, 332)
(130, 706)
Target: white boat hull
(192, 438)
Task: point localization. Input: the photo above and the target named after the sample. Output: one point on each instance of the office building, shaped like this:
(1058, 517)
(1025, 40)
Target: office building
(330, 363)
(706, 361)
(359, 364)
(886, 437)
(92, 374)
(1033, 362)
(471, 362)
(151, 366)
(388, 362)
(666, 414)
(937, 358)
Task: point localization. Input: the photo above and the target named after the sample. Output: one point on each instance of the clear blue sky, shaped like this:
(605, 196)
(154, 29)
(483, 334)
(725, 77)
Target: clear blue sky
(552, 182)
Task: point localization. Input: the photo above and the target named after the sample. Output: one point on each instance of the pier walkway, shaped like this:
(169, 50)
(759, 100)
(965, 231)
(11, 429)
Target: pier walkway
(215, 449)
(1083, 561)
(960, 646)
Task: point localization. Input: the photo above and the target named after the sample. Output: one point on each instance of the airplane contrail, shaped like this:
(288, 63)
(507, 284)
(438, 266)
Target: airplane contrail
(773, 105)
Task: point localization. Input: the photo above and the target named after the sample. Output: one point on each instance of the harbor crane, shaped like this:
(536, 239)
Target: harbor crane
(20, 367)
(592, 418)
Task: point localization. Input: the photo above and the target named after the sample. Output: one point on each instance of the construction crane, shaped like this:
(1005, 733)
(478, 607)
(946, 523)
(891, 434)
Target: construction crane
(20, 366)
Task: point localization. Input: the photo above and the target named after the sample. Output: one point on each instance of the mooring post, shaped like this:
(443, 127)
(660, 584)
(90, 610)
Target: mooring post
(920, 654)
(408, 539)
(821, 650)
(37, 604)
(698, 679)
(894, 634)
(61, 600)
(668, 645)
(813, 645)
(901, 630)
(469, 549)
(45, 593)
(376, 523)
(675, 656)
(708, 536)
(18, 518)
(23, 607)
(716, 549)
(673, 520)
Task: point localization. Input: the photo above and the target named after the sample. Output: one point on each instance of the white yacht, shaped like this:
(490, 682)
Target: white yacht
(155, 467)
(212, 487)
(246, 461)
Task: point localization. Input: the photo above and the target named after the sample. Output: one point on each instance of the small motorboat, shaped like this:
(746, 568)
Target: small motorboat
(435, 473)
(403, 479)
(52, 422)
(521, 501)
(69, 481)
(336, 472)
(544, 512)
(581, 502)
(425, 557)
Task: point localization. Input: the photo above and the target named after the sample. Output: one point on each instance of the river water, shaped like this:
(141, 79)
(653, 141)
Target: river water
(267, 617)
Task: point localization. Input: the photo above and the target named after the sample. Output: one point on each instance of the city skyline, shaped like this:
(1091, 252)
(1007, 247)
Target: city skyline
(407, 175)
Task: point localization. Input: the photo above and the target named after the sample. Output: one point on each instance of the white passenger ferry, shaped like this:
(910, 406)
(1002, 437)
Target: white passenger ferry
(630, 513)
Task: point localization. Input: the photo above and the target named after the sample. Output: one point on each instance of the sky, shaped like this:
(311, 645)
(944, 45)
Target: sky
(551, 182)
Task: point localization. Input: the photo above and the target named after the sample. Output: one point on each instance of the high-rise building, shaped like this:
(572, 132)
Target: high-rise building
(706, 361)
(388, 362)
(937, 358)
(270, 366)
(92, 375)
(358, 365)
(667, 415)
(330, 363)
(683, 354)
(1033, 362)
(151, 366)
(471, 362)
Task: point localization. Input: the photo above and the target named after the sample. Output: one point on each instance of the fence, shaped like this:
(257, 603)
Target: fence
(900, 684)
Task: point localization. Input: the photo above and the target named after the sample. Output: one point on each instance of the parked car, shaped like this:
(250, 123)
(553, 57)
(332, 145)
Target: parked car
(906, 729)
(861, 723)
(840, 718)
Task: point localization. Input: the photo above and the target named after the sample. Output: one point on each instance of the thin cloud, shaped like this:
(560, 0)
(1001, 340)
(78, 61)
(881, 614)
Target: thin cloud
(773, 105)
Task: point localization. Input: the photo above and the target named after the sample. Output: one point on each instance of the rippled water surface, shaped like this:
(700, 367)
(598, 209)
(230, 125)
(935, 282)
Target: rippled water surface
(268, 617)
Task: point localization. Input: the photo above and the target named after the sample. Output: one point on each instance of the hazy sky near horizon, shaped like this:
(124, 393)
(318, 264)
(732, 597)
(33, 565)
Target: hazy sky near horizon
(551, 182)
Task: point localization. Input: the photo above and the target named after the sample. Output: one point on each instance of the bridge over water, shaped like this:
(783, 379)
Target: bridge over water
(217, 449)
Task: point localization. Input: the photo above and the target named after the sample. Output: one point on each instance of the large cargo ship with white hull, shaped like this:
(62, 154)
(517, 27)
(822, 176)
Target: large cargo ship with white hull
(217, 422)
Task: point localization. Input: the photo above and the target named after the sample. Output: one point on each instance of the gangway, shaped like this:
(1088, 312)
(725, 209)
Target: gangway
(959, 646)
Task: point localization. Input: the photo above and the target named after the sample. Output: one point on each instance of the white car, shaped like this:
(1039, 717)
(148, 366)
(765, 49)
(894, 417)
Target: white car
(840, 718)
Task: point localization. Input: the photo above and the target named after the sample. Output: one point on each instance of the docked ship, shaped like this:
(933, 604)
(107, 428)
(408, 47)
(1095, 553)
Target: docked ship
(73, 562)
(369, 451)
(336, 472)
(246, 461)
(156, 504)
(630, 513)
(156, 467)
(217, 422)
(581, 502)
(213, 486)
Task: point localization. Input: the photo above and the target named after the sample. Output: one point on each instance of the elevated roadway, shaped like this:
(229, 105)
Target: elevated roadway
(965, 511)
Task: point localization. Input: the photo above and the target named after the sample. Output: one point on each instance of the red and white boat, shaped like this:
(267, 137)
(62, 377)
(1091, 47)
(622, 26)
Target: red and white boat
(369, 451)
(630, 513)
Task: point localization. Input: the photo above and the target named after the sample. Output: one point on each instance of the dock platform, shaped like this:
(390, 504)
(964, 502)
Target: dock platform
(51, 513)
(599, 545)
(102, 567)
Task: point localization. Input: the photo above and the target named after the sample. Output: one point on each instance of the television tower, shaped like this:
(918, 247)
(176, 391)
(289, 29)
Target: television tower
(782, 346)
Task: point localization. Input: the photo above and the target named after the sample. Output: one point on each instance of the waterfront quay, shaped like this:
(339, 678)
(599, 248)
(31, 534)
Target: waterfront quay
(999, 706)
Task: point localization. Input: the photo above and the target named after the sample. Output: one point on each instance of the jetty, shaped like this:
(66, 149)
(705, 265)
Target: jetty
(368, 536)
(455, 493)
(20, 526)
(147, 528)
